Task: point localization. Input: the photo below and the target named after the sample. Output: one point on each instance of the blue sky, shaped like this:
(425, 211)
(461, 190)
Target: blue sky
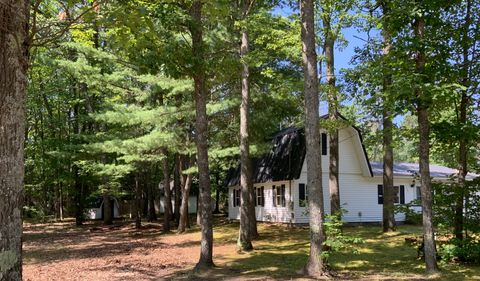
(342, 56)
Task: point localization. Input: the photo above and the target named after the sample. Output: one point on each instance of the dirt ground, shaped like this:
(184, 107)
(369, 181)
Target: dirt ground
(61, 251)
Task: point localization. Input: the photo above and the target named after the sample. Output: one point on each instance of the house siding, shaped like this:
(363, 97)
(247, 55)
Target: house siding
(358, 190)
(268, 212)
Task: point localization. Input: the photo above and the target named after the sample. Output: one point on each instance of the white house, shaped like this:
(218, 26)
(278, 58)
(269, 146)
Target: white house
(280, 180)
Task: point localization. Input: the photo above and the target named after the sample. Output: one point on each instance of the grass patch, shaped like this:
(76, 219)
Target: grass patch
(282, 251)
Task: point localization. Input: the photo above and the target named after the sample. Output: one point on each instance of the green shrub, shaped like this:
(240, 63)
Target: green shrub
(455, 250)
(337, 240)
(34, 214)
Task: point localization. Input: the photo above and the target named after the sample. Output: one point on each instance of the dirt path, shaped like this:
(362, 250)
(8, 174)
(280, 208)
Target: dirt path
(92, 252)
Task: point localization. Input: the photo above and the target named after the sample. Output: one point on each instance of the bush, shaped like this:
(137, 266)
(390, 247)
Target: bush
(455, 250)
(337, 240)
(31, 212)
(411, 216)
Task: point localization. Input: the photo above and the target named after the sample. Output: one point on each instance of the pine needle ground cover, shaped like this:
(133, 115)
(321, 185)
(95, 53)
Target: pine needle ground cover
(93, 252)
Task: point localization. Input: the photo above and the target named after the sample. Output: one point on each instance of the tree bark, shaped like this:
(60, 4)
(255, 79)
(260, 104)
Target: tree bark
(13, 81)
(463, 143)
(107, 210)
(389, 223)
(183, 223)
(247, 210)
(424, 155)
(314, 266)
(152, 214)
(177, 188)
(167, 202)
(201, 122)
(137, 203)
(334, 185)
(78, 185)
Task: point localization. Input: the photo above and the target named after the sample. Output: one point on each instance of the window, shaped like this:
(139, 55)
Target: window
(236, 197)
(398, 196)
(259, 196)
(418, 193)
(402, 194)
(302, 195)
(279, 196)
(324, 144)
(380, 194)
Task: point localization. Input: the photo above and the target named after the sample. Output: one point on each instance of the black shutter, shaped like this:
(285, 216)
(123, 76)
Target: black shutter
(301, 192)
(402, 194)
(233, 201)
(274, 196)
(262, 197)
(283, 196)
(324, 144)
(255, 196)
(380, 194)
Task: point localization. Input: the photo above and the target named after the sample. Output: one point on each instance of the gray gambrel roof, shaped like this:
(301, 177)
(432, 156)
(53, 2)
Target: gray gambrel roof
(412, 169)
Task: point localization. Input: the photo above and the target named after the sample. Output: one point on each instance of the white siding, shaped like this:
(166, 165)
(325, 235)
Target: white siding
(268, 212)
(192, 204)
(358, 190)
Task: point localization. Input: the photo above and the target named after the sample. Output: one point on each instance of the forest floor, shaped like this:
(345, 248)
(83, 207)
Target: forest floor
(61, 251)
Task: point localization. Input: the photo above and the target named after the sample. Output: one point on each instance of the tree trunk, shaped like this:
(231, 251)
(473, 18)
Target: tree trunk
(424, 155)
(201, 122)
(335, 207)
(107, 210)
(199, 216)
(389, 223)
(137, 203)
(247, 210)
(314, 266)
(60, 201)
(13, 81)
(167, 202)
(177, 188)
(78, 186)
(462, 148)
(152, 214)
(183, 223)
(217, 200)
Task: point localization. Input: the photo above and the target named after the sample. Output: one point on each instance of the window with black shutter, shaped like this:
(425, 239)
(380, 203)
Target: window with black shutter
(402, 194)
(380, 193)
(419, 193)
(324, 144)
(236, 199)
(274, 196)
(398, 194)
(260, 197)
(302, 195)
(283, 201)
